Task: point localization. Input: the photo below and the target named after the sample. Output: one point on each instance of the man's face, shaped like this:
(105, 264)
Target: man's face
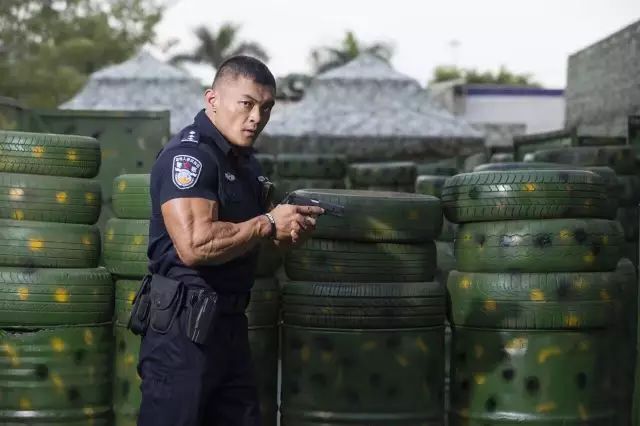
(240, 108)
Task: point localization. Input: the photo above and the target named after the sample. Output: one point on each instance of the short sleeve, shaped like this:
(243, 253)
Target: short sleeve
(184, 172)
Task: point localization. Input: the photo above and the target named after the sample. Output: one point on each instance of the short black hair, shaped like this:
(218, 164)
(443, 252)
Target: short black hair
(248, 67)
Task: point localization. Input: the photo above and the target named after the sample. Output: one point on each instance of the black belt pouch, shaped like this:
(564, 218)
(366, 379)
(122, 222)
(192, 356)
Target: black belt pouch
(141, 306)
(167, 299)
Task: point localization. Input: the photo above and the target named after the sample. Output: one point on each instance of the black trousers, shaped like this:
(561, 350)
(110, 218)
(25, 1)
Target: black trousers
(186, 384)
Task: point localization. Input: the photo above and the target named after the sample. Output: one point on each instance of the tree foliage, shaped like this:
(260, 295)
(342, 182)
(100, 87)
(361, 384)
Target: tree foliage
(327, 57)
(216, 46)
(472, 76)
(48, 48)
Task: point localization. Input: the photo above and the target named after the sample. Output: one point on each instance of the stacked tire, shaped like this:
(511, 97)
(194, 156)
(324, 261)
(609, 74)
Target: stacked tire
(533, 302)
(126, 239)
(362, 334)
(55, 302)
(391, 176)
(298, 171)
(621, 159)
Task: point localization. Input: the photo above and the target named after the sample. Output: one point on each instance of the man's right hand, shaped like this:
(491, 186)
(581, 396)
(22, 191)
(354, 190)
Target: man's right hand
(292, 221)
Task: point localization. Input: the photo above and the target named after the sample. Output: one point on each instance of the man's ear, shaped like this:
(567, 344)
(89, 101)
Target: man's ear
(211, 99)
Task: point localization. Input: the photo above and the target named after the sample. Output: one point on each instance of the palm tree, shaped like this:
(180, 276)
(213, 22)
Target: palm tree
(326, 57)
(214, 47)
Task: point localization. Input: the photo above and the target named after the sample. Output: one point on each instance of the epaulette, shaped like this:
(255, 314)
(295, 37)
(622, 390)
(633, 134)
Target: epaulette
(190, 134)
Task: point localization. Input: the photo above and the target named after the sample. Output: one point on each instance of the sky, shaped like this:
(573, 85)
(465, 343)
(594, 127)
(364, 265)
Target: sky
(526, 36)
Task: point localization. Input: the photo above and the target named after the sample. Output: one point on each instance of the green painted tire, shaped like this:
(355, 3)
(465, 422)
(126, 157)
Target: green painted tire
(363, 305)
(436, 169)
(126, 382)
(49, 198)
(348, 261)
(534, 300)
(125, 247)
(539, 194)
(48, 154)
(130, 197)
(552, 245)
(430, 185)
(58, 375)
(48, 245)
(629, 219)
(264, 306)
(620, 158)
(378, 216)
(51, 297)
(311, 166)
(382, 174)
(125, 293)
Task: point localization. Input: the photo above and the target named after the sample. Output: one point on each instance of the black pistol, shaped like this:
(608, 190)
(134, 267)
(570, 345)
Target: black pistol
(300, 200)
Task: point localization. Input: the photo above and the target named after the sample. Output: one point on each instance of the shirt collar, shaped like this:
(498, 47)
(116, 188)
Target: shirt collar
(206, 127)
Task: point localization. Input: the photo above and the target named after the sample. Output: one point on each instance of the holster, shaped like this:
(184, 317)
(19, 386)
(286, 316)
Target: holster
(202, 310)
(157, 304)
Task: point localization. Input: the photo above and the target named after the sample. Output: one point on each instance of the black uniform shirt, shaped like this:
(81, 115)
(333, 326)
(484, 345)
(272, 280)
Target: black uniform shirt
(199, 162)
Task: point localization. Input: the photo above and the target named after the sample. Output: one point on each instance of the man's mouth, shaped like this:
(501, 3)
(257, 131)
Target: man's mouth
(249, 132)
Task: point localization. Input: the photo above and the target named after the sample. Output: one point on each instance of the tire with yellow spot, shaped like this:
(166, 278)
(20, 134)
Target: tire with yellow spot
(124, 295)
(49, 198)
(348, 261)
(49, 154)
(535, 300)
(52, 297)
(48, 245)
(378, 216)
(382, 174)
(430, 185)
(311, 166)
(539, 194)
(125, 247)
(130, 196)
(363, 305)
(506, 377)
(620, 158)
(126, 382)
(552, 245)
(56, 376)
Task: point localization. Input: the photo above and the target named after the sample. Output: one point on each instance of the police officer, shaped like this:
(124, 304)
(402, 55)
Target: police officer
(209, 212)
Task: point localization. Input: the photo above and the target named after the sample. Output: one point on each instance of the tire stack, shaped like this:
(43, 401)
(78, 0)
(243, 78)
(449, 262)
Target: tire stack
(297, 171)
(393, 176)
(125, 255)
(55, 303)
(362, 335)
(126, 241)
(533, 299)
(621, 159)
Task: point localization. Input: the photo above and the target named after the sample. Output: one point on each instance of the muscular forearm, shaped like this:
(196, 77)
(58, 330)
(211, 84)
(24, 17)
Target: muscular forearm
(220, 242)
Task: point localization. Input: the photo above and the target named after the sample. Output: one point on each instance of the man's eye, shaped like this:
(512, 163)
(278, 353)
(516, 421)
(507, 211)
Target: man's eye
(246, 104)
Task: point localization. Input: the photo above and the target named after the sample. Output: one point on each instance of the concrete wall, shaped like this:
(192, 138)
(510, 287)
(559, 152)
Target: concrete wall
(539, 113)
(603, 84)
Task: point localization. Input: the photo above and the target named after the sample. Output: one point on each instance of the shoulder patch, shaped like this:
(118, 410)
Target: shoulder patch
(190, 134)
(186, 171)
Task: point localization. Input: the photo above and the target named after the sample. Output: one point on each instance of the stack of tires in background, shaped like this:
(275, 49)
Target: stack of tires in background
(298, 171)
(534, 298)
(392, 176)
(620, 158)
(55, 303)
(125, 256)
(362, 334)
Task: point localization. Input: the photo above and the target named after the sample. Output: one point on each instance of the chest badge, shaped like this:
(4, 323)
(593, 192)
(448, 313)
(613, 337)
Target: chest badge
(186, 171)
(230, 176)
(191, 136)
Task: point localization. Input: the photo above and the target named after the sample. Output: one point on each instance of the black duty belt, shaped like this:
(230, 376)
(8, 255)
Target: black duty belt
(227, 304)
